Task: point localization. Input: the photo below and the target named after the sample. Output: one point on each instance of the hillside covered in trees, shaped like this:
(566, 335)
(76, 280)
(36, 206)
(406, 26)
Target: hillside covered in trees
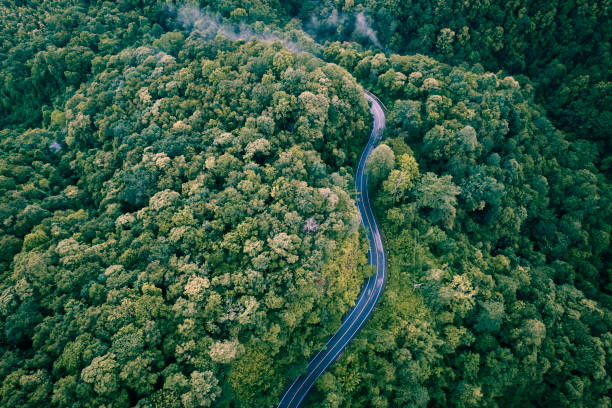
(178, 224)
(498, 219)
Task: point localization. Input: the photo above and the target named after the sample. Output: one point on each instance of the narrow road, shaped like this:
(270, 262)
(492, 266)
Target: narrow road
(356, 319)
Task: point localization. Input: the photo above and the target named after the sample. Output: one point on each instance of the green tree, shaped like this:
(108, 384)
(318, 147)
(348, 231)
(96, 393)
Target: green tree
(379, 164)
(439, 196)
(102, 374)
(401, 180)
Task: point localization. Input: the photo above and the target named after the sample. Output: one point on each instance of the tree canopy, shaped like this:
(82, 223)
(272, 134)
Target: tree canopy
(178, 225)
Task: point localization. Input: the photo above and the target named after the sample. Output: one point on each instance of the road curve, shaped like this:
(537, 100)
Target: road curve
(359, 314)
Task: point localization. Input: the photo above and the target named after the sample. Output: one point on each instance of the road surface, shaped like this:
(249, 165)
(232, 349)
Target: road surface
(356, 319)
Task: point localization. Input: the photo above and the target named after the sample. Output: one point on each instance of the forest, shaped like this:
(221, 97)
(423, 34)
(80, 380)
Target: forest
(178, 220)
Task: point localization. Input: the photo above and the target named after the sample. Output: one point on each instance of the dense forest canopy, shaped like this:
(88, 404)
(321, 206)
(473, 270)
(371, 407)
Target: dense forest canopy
(196, 219)
(497, 218)
(178, 225)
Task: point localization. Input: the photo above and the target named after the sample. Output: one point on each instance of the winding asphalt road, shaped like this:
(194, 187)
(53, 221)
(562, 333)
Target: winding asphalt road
(356, 319)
